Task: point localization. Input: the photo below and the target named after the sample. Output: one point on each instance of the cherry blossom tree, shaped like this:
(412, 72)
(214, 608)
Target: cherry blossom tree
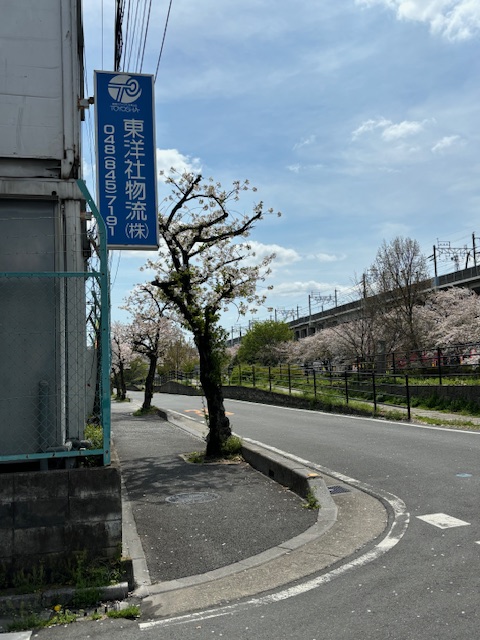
(451, 317)
(152, 332)
(310, 349)
(121, 356)
(396, 283)
(180, 356)
(205, 263)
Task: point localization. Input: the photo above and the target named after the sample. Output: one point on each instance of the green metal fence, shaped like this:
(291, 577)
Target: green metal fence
(55, 359)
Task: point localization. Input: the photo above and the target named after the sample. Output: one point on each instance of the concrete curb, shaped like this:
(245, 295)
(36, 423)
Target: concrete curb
(297, 477)
(344, 526)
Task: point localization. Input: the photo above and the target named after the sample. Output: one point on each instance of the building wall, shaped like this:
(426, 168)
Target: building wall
(41, 80)
(45, 515)
(42, 319)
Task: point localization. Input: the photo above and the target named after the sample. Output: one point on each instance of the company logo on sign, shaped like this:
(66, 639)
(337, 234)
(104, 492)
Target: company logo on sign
(124, 89)
(125, 127)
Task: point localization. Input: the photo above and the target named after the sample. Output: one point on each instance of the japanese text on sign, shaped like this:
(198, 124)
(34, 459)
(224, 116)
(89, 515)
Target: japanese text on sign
(126, 159)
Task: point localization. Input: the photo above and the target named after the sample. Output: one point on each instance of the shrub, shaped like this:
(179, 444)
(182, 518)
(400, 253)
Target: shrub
(232, 446)
(94, 433)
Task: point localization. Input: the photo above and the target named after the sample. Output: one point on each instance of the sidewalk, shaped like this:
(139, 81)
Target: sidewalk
(200, 535)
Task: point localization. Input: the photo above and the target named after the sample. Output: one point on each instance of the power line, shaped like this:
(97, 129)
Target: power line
(142, 29)
(127, 27)
(146, 34)
(133, 38)
(163, 39)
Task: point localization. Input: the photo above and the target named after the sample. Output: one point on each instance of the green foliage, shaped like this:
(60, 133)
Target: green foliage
(25, 622)
(94, 433)
(195, 457)
(232, 446)
(63, 617)
(453, 405)
(395, 415)
(260, 344)
(29, 581)
(33, 620)
(454, 424)
(311, 501)
(231, 450)
(179, 356)
(136, 373)
(78, 570)
(130, 613)
(145, 412)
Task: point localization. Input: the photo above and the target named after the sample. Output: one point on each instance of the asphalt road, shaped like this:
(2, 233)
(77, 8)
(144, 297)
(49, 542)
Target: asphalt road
(427, 586)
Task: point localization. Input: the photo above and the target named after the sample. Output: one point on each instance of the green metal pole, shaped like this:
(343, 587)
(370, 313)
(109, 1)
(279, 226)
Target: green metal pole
(104, 325)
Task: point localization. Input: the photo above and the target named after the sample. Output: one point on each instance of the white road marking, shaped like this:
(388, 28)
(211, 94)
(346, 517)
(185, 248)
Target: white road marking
(363, 418)
(395, 533)
(19, 635)
(443, 521)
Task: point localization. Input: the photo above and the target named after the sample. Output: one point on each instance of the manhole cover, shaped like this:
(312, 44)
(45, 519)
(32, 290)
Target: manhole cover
(338, 489)
(190, 498)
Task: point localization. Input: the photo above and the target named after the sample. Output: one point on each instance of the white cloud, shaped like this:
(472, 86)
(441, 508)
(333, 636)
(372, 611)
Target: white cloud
(390, 130)
(401, 130)
(325, 257)
(452, 19)
(283, 256)
(289, 289)
(445, 143)
(370, 125)
(305, 142)
(294, 168)
(172, 158)
(140, 255)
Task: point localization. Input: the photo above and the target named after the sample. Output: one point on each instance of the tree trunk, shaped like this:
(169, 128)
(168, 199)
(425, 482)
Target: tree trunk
(211, 381)
(152, 367)
(122, 390)
(116, 383)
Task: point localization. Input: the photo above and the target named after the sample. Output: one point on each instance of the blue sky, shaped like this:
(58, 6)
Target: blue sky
(357, 119)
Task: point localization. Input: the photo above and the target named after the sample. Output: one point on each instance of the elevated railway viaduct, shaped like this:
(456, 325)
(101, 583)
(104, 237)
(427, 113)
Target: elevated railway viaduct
(309, 325)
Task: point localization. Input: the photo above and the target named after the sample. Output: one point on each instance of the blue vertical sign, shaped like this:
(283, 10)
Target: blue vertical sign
(126, 175)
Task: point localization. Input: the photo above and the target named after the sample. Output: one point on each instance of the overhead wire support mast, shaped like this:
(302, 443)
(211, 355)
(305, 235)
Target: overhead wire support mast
(317, 297)
(444, 248)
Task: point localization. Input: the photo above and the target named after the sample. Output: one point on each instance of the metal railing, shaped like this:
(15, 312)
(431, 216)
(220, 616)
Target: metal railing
(459, 361)
(327, 386)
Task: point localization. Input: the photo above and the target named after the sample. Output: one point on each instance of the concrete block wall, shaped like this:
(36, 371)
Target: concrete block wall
(46, 516)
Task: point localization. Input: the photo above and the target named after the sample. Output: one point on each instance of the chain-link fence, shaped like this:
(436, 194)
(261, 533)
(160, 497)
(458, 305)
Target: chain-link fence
(54, 338)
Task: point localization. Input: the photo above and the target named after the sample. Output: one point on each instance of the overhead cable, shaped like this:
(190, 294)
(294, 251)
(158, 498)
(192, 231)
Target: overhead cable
(146, 34)
(163, 39)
